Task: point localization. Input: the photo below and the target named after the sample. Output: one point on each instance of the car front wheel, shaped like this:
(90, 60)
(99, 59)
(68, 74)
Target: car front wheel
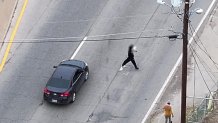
(86, 75)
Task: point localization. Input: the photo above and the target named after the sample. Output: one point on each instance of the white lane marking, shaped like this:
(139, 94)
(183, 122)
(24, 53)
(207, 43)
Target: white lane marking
(202, 20)
(162, 89)
(78, 48)
(176, 65)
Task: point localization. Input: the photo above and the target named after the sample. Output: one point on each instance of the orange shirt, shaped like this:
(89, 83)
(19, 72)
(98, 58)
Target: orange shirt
(167, 110)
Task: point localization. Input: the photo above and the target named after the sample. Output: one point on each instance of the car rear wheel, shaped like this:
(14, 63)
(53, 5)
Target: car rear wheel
(87, 75)
(73, 97)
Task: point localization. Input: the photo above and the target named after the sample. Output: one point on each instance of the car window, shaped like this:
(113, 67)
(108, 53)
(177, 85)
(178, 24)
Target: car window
(76, 76)
(64, 72)
(73, 63)
(58, 83)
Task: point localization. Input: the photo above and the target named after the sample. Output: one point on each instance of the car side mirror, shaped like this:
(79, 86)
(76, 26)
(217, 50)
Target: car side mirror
(55, 66)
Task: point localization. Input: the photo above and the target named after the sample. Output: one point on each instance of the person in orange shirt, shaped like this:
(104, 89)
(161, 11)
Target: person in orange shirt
(168, 112)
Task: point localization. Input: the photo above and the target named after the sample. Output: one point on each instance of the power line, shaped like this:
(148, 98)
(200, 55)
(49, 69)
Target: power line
(201, 72)
(194, 85)
(177, 15)
(206, 52)
(65, 39)
(202, 61)
(94, 36)
(88, 40)
(205, 49)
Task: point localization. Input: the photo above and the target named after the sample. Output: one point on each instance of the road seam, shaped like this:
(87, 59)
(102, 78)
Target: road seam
(13, 36)
(163, 88)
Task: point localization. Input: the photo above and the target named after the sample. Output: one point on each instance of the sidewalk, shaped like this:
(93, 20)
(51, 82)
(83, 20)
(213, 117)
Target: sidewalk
(7, 8)
(196, 85)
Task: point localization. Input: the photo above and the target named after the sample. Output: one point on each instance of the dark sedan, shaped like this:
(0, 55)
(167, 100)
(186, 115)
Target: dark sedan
(65, 82)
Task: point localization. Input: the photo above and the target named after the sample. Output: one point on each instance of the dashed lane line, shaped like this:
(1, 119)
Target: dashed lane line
(78, 48)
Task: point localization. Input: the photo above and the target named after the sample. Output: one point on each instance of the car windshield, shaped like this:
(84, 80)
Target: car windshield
(58, 83)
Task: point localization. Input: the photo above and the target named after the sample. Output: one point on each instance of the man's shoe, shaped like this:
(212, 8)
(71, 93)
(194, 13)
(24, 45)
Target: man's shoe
(136, 68)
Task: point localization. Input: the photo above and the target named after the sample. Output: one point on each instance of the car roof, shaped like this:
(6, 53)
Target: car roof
(64, 72)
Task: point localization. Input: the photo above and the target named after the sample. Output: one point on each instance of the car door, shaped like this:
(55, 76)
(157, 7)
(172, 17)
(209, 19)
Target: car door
(82, 77)
(77, 80)
(75, 83)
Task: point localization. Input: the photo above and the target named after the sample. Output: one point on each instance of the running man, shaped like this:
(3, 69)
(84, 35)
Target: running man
(130, 57)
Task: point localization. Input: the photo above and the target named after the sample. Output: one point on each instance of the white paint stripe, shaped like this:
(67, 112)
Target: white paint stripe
(78, 48)
(202, 20)
(176, 65)
(162, 89)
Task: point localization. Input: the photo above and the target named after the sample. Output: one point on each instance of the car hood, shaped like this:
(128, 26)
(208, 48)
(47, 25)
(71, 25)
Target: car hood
(58, 90)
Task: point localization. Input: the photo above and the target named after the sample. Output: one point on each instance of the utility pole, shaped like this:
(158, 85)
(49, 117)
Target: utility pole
(184, 61)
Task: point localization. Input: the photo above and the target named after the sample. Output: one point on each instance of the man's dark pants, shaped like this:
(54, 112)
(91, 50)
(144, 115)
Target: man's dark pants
(128, 60)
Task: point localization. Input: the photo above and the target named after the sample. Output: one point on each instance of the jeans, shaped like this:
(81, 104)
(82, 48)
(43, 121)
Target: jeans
(168, 118)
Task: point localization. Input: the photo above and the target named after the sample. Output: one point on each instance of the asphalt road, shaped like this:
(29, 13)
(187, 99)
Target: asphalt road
(109, 95)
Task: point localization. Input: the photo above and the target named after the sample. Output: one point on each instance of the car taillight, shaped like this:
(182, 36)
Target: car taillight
(46, 91)
(65, 94)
